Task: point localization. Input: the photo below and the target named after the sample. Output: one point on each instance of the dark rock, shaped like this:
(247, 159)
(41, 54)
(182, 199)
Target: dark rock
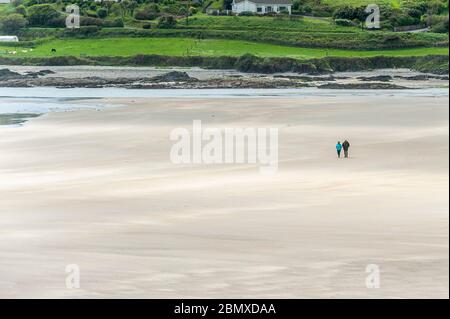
(6, 74)
(174, 76)
(379, 78)
(39, 73)
(306, 78)
(422, 77)
(439, 77)
(362, 86)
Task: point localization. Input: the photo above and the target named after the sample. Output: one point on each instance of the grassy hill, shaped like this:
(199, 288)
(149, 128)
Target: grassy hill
(132, 28)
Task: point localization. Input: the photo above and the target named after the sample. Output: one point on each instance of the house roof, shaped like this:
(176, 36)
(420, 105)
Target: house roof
(9, 38)
(266, 1)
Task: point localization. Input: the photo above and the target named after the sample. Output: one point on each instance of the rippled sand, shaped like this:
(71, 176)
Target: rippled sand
(96, 188)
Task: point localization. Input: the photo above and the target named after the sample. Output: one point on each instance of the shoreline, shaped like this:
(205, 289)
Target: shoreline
(196, 78)
(435, 64)
(20, 105)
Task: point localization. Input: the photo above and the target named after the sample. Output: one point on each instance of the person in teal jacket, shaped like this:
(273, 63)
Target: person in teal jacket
(339, 148)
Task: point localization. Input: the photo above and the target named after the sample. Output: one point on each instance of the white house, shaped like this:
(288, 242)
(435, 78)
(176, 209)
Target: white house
(8, 38)
(262, 6)
(5, 1)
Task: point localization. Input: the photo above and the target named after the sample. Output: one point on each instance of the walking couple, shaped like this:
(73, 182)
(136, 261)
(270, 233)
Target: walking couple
(344, 146)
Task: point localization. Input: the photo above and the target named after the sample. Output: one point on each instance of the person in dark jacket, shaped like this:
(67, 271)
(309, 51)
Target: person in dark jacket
(346, 146)
(339, 149)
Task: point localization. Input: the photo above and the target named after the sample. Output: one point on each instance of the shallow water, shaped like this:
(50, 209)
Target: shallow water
(43, 100)
(38, 105)
(65, 95)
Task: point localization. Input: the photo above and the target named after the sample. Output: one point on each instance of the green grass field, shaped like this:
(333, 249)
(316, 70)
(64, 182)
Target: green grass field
(192, 47)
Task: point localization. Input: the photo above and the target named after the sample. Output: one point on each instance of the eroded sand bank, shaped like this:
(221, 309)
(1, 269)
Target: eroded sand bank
(96, 188)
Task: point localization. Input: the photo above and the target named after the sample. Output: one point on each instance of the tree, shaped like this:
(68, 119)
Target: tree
(21, 10)
(41, 14)
(351, 13)
(168, 22)
(117, 10)
(149, 12)
(13, 23)
(108, 5)
(346, 12)
(128, 7)
(227, 4)
(132, 6)
(102, 13)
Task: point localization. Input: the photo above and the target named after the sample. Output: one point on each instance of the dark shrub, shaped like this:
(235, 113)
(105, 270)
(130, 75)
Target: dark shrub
(246, 62)
(392, 39)
(441, 26)
(39, 15)
(89, 30)
(150, 12)
(347, 13)
(344, 22)
(13, 23)
(404, 20)
(59, 22)
(167, 22)
(22, 10)
(246, 14)
(88, 21)
(414, 13)
(102, 13)
(350, 13)
(116, 23)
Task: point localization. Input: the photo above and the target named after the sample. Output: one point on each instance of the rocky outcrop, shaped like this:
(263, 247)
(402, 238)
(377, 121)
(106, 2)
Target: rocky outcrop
(39, 73)
(378, 78)
(174, 76)
(171, 80)
(362, 86)
(6, 74)
(182, 80)
(306, 78)
(423, 77)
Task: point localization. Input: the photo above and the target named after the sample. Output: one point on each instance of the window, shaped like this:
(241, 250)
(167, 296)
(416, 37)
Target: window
(283, 9)
(269, 9)
(259, 9)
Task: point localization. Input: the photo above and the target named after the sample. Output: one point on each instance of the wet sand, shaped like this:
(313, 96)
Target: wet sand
(96, 188)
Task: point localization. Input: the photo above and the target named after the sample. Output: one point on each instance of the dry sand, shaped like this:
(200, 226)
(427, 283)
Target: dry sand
(97, 189)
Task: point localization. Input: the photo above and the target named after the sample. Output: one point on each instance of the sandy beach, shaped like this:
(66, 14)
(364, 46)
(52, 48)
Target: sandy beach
(96, 188)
